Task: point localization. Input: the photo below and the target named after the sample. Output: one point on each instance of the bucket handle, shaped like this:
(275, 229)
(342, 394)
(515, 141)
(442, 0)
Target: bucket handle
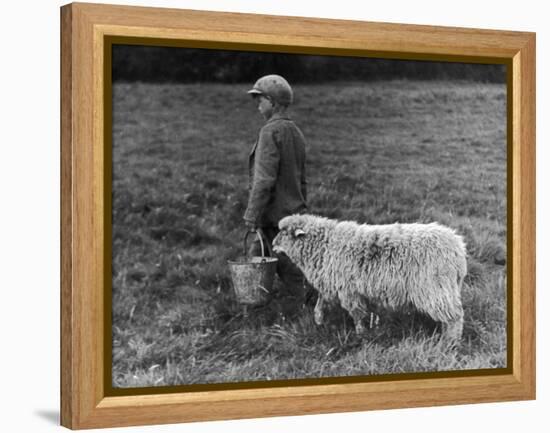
(259, 234)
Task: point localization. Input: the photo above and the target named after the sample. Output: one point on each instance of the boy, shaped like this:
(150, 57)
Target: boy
(277, 177)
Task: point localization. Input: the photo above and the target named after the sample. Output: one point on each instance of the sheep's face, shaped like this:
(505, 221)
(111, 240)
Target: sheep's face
(288, 241)
(291, 238)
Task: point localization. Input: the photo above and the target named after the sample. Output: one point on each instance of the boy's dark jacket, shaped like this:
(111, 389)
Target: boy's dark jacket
(277, 175)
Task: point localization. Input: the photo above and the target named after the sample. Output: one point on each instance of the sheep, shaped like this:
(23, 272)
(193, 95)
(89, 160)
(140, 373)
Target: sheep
(393, 266)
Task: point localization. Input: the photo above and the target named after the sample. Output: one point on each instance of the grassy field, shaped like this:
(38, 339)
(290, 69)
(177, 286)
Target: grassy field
(377, 152)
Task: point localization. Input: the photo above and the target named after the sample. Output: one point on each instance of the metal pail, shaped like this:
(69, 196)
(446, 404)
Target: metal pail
(253, 276)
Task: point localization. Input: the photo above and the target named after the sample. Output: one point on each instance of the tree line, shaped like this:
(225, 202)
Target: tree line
(187, 65)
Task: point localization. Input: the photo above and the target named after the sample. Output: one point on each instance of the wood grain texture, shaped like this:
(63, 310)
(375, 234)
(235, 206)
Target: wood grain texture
(84, 403)
(527, 266)
(67, 394)
(307, 32)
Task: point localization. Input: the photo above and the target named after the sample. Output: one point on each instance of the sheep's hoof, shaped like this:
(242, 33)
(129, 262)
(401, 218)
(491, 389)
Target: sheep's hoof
(359, 328)
(318, 317)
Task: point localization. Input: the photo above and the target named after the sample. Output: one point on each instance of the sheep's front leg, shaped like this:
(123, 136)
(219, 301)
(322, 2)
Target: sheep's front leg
(358, 316)
(356, 306)
(319, 311)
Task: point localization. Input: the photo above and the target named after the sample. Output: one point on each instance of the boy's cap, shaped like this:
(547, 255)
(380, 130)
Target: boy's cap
(274, 87)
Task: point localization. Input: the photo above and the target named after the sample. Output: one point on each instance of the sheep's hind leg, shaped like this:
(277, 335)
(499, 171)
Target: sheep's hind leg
(319, 312)
(452, 330)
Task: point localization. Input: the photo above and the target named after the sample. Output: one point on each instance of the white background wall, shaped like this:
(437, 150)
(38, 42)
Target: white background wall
(29, 216)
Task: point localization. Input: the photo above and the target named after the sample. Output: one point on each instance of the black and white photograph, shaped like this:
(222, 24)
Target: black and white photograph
(283, 216)
(279, 216)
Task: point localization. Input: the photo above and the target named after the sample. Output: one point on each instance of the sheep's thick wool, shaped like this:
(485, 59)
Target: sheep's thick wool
(393, 266)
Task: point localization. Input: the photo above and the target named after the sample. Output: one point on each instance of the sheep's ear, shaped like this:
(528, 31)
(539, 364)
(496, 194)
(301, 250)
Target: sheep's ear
(299, 232)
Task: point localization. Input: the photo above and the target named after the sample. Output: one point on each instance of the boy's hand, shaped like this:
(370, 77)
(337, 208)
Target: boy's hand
(250, 225)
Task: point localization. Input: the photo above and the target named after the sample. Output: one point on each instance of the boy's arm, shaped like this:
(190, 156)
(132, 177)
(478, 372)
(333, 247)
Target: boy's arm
(266, 167)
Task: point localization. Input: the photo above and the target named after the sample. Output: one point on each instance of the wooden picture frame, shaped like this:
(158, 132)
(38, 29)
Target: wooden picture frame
(85, 193)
